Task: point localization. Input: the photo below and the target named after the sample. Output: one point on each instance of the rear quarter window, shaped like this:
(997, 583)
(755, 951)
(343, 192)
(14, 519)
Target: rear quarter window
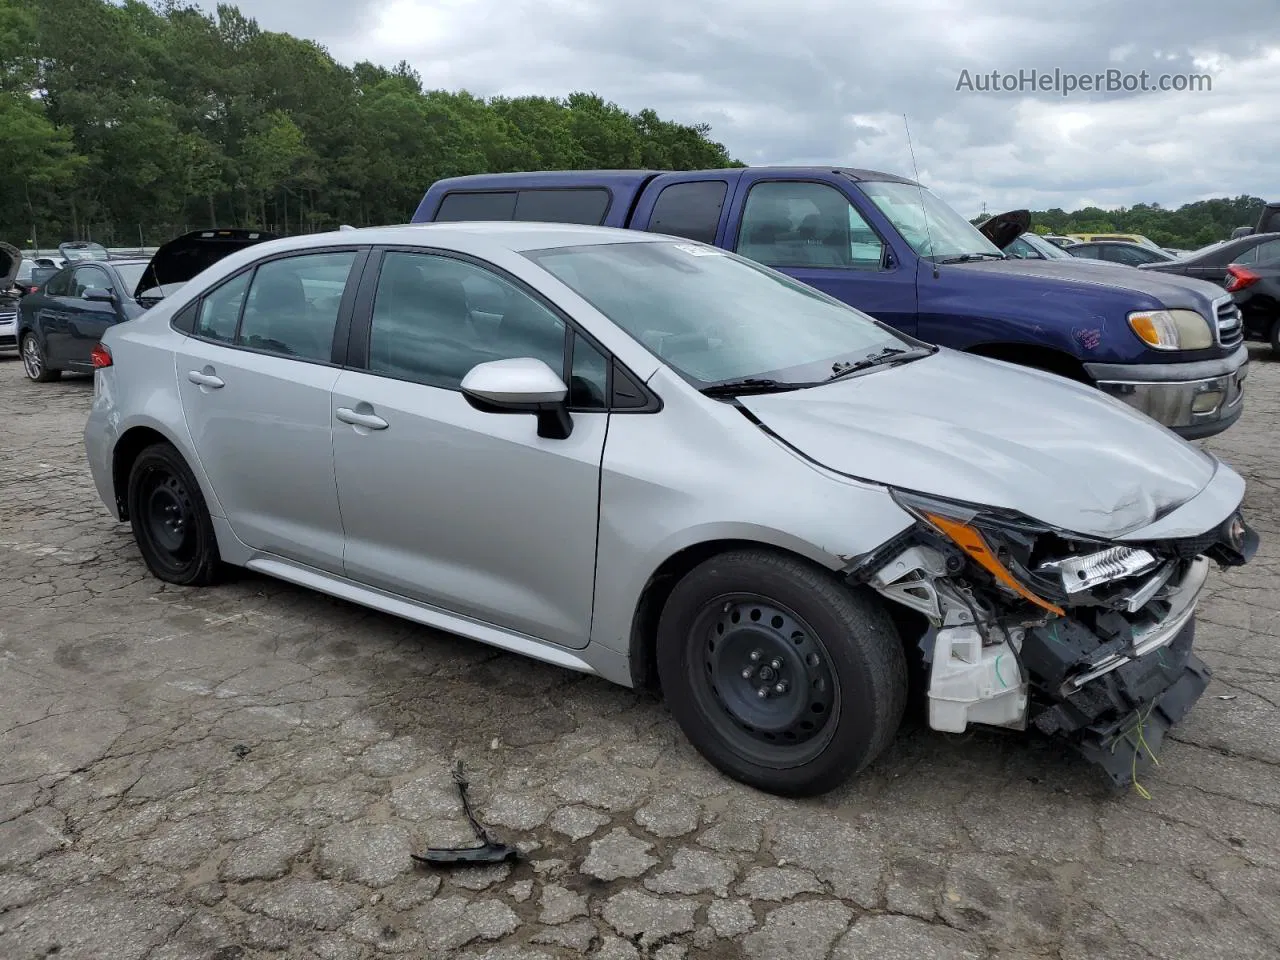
(490, 205)
(586, 206)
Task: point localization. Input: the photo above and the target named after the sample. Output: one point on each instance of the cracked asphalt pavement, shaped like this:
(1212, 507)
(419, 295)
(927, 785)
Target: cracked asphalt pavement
(243, 772)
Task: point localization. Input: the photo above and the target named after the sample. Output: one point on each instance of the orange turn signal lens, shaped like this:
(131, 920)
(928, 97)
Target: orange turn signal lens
(972, 542)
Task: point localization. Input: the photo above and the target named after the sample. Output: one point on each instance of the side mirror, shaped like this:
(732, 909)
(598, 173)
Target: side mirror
(98, 295)
(521, 385)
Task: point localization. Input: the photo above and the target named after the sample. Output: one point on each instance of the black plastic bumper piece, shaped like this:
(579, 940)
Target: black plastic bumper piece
(1119, 720)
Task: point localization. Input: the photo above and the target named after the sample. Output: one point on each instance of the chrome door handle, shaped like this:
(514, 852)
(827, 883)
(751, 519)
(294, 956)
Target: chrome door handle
(205, 379)
(347, 415)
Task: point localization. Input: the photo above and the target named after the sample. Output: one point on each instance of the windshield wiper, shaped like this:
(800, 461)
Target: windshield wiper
(970, 257)
(887, 355)
(732, 388)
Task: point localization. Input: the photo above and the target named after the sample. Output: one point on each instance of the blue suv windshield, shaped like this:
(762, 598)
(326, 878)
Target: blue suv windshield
(934, 230)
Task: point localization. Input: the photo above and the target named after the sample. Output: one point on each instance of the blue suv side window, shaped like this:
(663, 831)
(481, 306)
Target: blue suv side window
(804, 224)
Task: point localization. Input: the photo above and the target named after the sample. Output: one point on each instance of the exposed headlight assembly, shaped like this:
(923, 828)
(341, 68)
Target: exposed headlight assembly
(984, 535)
(1172, 329)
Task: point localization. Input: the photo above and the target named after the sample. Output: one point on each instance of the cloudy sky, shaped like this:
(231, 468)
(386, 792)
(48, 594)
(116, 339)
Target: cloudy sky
(821, 81)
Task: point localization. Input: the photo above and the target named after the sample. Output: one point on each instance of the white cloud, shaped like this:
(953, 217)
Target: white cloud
(825, 81)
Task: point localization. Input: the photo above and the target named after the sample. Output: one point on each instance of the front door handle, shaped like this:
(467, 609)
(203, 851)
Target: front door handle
(205, 379)
(369, 420)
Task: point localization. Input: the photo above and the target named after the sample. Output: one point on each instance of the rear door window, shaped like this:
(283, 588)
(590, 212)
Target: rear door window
(690, 210)
(293, 305)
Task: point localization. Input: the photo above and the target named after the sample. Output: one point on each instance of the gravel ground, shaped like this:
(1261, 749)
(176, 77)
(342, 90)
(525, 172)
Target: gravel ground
(243, 771)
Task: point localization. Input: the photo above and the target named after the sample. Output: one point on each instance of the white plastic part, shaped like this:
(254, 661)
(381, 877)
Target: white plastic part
(970, 683)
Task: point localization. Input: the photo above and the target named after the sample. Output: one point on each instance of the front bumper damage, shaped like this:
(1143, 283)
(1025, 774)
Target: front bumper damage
(1104, 665)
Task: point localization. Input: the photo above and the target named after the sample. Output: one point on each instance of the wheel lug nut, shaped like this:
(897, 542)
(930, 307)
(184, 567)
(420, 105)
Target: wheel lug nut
(762, 693)
(776, 663)
(746, 673)
(780, 687)
(755, 655)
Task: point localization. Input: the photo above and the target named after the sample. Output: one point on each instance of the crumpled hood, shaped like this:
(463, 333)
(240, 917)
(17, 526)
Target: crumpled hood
(985, 432)
(1169, 290)
(10, 261)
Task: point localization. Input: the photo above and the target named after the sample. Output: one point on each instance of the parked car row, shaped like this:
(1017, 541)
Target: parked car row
(650, 458)
(61, 316)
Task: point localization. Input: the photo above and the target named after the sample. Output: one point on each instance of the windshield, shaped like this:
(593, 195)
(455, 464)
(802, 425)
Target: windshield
(935, 231)
(130, 273)
(1032, 247)
(714, 316)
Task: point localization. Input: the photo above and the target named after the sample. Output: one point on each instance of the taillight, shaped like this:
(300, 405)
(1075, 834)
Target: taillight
(100, 356)
(1240, 277)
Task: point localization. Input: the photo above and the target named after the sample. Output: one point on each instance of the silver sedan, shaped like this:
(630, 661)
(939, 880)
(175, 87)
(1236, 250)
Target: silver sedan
(657, 462)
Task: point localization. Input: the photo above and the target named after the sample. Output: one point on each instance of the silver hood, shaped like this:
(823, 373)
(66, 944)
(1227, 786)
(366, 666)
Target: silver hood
(984, 432)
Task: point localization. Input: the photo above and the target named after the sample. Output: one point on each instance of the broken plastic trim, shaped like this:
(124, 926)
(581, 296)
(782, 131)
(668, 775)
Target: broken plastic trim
(487, 853)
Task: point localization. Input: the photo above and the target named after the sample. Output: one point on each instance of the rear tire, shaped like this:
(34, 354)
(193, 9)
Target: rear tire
(34, 364)
(170, 519)
(828, 660)
(1275, 338)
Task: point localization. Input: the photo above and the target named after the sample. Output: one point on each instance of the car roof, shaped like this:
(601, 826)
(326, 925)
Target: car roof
(634, 178)
(514, 235)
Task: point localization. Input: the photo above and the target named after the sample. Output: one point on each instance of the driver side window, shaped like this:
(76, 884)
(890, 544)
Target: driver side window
(802, 224)
(85, 277)
(434, 318)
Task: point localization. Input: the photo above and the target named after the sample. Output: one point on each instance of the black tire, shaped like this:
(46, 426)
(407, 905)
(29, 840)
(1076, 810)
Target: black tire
(838, 646)
(1275, 338)
(34, 364)
(170, 520)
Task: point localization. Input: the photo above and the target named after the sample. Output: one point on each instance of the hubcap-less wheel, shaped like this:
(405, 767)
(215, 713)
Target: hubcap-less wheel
(170, 518)
(32, 362)
(766, 679)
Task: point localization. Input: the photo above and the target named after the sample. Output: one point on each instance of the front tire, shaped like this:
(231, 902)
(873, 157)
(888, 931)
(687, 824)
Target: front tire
(34, 364)
(170, 519)
(779, 674)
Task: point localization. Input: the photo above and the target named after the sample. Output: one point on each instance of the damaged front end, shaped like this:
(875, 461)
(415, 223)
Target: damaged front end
(1080, 638)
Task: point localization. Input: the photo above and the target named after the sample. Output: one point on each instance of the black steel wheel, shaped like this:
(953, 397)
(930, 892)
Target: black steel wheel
(780, 675)
(766, 677)
(170, 520)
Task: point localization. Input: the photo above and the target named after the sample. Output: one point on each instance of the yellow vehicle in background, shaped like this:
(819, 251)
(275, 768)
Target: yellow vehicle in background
(1128, 237)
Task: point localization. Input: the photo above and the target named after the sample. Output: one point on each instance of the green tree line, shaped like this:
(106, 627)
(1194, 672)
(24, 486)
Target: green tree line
(128, 123)
(1188, 227)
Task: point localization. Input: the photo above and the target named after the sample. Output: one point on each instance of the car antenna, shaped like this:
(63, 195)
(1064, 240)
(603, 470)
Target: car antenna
(923, 211)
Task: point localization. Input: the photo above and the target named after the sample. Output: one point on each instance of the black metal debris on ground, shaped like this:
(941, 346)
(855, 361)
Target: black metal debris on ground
(487, 853)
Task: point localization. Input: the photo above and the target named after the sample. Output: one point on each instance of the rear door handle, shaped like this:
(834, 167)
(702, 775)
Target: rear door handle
(205, 379)
(369, 420)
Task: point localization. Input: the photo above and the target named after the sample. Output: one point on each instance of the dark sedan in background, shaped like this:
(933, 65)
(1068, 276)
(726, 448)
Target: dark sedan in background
(1119, 251)
(1211, 262)
(1256, 291)
(59, 324)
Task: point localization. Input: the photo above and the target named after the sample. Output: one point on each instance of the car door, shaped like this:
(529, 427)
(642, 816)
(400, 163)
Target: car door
(255, 376)
(86, 320)
(469, 511)
(811, 231)
(50, 317)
